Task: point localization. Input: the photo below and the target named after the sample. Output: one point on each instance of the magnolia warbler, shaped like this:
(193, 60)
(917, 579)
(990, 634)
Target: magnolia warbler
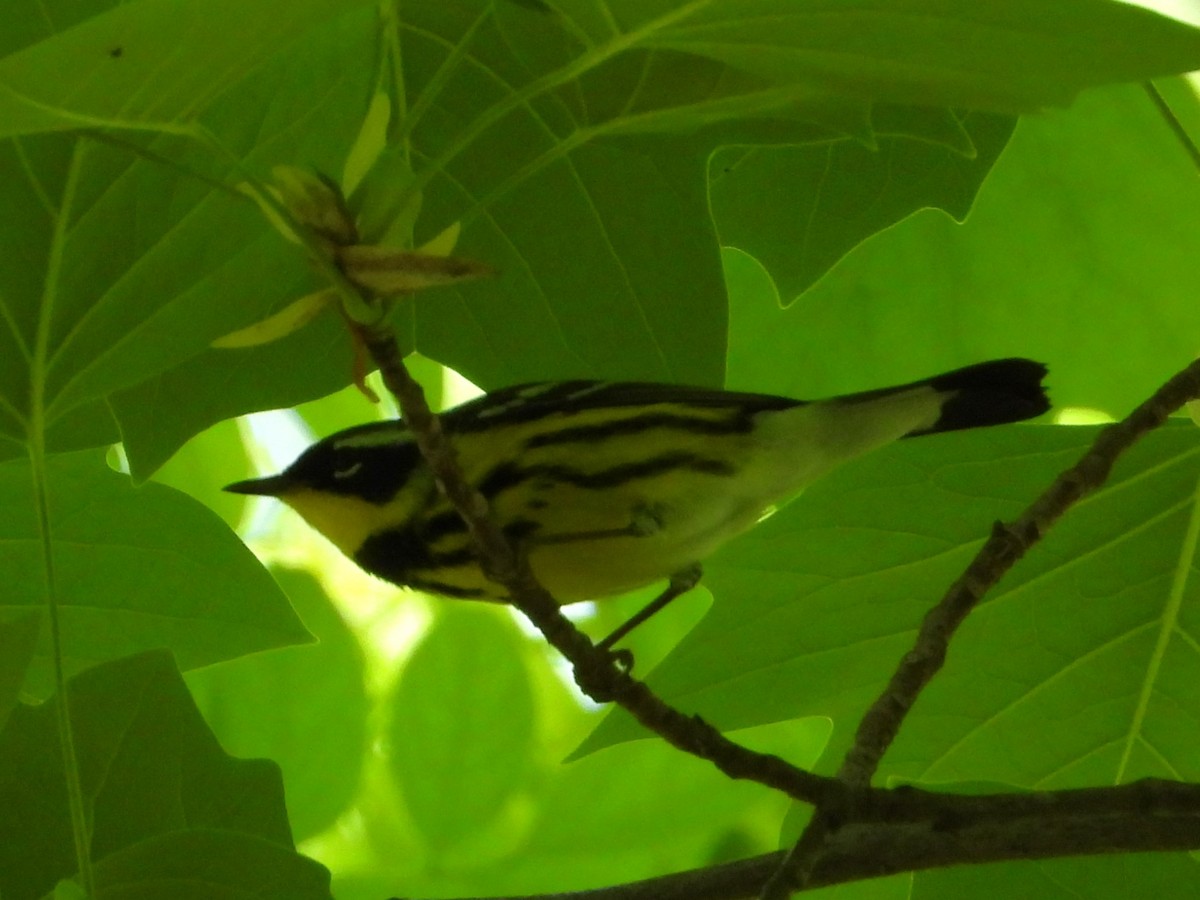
(610, 486)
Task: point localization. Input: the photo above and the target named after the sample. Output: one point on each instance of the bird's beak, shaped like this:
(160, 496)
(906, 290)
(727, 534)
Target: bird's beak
(271, 486)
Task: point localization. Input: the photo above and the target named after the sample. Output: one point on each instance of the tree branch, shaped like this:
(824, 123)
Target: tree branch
(909, 830)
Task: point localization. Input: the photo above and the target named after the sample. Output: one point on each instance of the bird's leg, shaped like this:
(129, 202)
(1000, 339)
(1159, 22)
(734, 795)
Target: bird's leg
(644, 522)
(681, 582)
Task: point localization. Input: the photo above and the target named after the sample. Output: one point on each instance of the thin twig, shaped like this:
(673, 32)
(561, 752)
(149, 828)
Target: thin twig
(1007, 544)
(1172, 120)
(595, 670)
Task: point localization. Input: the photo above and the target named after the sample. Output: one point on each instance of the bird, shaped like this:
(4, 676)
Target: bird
(606, 487)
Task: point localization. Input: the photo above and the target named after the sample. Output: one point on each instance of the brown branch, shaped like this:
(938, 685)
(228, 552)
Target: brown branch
(1007, 544)
(595, 670)
(909, 830)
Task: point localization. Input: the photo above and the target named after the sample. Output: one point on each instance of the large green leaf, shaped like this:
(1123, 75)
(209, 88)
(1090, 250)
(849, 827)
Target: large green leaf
(148, 768)
(18, 641)
(461, 727)
(91, 309)
(544, 198)
(133, 569)
(1090, 641)
(1013, 55)
(827, 198)
(609, 145)
(209, 864)
(303, 707)
(148, 64)
(1066, 258)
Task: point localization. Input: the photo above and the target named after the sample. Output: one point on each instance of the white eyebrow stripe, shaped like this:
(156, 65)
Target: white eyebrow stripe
(498, 409)
(521, 398)
(533, 392)
(395, 434)
(591, 389)
(536, 390)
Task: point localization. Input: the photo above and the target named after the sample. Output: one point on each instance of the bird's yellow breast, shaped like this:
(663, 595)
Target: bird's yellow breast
(345, 520)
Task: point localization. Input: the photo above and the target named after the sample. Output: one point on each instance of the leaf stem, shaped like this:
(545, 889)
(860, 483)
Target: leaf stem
(36, 434)
(1173, 123)
(391, 57)
(439, 79)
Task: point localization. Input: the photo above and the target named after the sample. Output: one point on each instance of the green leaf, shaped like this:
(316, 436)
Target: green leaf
(1015, 55)
(461, 727)
(69, 890)
(567, 154)
(828, 198)
(1089, 638)
(1065, 258)
(646, 809)
(370, 143)
(205, 464)
(134, 568)
(93, 310)
(148, 767)
(97, 72)
(303, 707)
(207, 864)
(640, 313)
(18, 641)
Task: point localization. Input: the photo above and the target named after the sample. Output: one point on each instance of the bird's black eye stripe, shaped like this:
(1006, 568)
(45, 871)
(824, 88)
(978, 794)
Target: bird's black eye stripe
(442, 524)
(357, 466)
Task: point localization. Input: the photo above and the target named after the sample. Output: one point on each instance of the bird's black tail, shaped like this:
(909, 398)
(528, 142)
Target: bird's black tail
(989, 393)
